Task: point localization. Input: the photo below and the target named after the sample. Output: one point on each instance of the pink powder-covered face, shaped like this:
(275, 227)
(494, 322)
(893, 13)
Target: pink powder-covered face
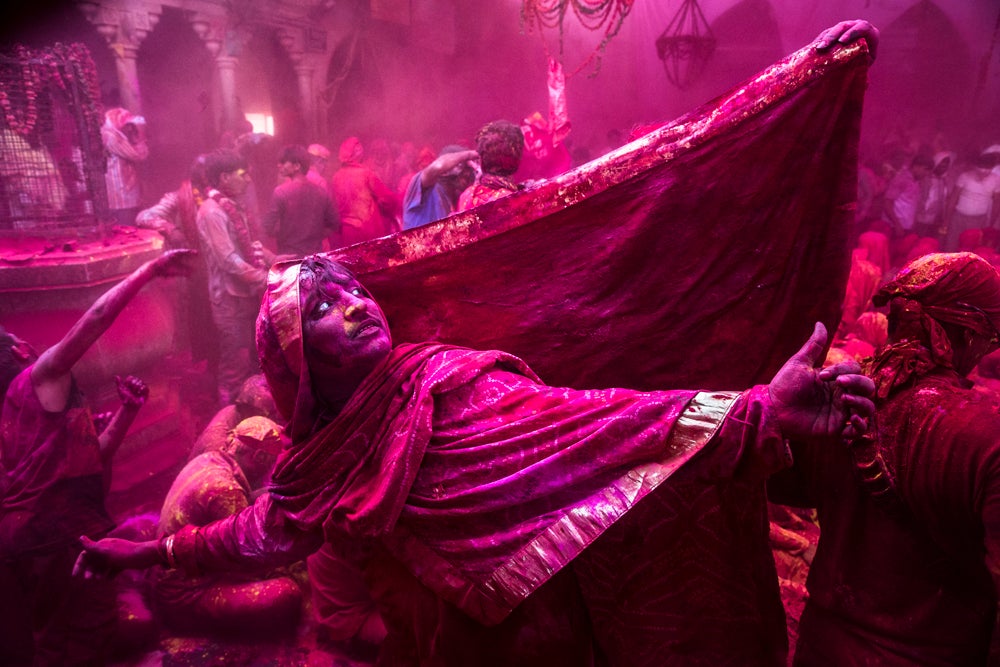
(342, 326)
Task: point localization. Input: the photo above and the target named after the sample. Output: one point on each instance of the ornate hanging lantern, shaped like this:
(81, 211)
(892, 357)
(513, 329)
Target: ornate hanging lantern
(686, 45)
(593, 15)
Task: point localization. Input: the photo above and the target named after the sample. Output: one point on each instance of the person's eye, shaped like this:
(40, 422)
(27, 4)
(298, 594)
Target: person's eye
(359, 291)
(321, 308)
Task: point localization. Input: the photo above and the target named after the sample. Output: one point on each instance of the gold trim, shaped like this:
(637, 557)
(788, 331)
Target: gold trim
(557, 545)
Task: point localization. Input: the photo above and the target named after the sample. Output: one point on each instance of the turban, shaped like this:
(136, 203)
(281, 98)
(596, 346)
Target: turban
(258, 433)
(319, 150)
(960, 289)
(351, 150)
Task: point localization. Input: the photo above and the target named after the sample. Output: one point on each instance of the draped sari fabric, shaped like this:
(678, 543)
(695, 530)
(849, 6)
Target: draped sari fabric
(699, 254)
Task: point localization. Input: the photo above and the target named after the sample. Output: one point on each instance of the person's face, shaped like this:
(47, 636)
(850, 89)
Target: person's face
(344, 331)
(288, 169)
(234, 183)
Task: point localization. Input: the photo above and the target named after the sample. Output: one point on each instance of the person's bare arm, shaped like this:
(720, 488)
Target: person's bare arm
(442, 165)
(51, 373)
(133, 393)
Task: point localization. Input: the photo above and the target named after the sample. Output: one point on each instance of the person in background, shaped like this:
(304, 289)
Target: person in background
(368, 207)
(499, 145)
(974, 202)
(301, 217)
(237, 268)
(123, 136)
(319, 156)
(907, 570)
(175, 218)
(433, 191)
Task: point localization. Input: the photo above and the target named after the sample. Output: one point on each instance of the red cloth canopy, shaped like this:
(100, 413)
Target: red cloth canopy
(698, 255)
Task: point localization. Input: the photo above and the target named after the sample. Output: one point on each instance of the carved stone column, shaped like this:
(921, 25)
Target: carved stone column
(124, 31)
(212, 32)
(307, 98)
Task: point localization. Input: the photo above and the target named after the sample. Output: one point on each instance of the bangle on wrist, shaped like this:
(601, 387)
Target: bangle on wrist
(168, 547)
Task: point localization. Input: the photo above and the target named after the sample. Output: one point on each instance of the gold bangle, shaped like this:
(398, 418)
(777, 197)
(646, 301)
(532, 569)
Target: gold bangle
(171, 556)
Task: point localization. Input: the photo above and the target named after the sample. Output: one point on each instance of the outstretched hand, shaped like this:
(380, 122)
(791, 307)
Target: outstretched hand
(846, 32)
(178, 262)
(131, 390)
(813, 403)
(107, 557)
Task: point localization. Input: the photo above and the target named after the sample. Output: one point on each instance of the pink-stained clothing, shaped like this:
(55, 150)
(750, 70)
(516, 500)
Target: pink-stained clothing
(368, 207)
(918, 588)
(481, 483)
(545, 152)
(907, 570)
(51, 492)
(487, 189)
(52, 483)
(121, 176)
(301, 217)
(210, 487)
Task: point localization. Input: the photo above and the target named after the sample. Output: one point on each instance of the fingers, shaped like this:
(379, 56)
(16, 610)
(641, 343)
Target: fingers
(840, 369)
(856, 384)
(811, 353)
(858, 406)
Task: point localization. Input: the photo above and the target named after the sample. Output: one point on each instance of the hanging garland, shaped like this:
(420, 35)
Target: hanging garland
(22, 85)
(593, 15)
(26, 72)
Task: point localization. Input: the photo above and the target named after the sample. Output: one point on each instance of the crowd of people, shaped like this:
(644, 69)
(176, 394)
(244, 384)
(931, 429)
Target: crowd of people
(428, 504)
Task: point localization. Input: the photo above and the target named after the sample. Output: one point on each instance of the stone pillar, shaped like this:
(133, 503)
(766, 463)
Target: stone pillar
(226, 69)
(124, 32)
(307, 98)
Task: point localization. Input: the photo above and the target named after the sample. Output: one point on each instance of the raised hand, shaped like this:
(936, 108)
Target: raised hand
(131, 390)
(814, 404)
(178, 262)
(846, 32)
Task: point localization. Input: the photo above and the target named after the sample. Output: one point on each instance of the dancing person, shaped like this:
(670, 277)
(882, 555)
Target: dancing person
(54, 474)
(477, 491)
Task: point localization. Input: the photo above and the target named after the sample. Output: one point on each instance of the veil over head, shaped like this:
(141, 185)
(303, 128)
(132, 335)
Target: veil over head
(280, 343)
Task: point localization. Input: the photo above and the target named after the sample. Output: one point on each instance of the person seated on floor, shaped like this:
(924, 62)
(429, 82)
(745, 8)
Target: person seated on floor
(212, 486)
(253, 400)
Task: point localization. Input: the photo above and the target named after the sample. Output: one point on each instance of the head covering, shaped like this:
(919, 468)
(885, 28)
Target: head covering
(280, 344)
(319, 151)
(942, 156)
(351, 150)
(118, 117)
(959, 289)
(279, 338)
(258, 433)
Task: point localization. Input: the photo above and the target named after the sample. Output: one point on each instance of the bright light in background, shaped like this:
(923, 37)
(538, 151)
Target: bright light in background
(262, 123)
